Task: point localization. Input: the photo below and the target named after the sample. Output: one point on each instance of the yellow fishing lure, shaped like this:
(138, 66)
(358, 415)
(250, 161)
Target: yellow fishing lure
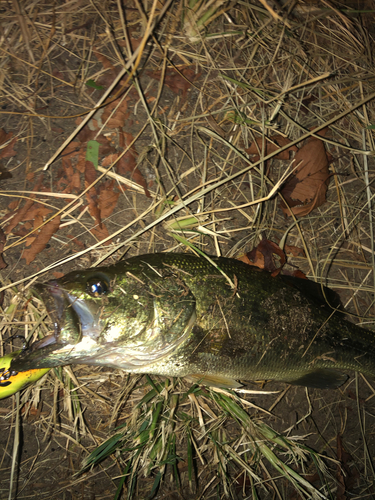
(12, 382)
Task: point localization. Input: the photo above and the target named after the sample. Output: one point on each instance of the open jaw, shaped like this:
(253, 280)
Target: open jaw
(76, 323)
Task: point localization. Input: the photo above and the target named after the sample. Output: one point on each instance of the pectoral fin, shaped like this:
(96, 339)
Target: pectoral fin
(214, 381)
(321, 378)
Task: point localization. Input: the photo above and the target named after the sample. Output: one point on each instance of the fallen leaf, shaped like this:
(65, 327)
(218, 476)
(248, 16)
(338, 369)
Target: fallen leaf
(58, 130)
(107, 199)
(2, 244)
(59, 75)
(178, 83)
(6, 150)
(262, 256)
(295, 251)
(57, 274)
(108, 160)
(30, 240)
(346, 476)
(19, 216)
(22, 213)
(72, 149)
(116, 113)
(77, 150)
(305, 103)
(306, 188)
(100, 232)
(69, 178)
(109, 75)
(22, 230)
(92, 195)
(76, 241)
(40, 242)
(128, 163)
(111, 71)
(13, 204)
(297, 274)
(271, 144)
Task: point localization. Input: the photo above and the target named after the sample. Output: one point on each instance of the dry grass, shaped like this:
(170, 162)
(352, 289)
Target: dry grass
(256, 70)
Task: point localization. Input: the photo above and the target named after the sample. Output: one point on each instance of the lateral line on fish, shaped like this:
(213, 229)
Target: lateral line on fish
(153, 269)
(128, 273)
(232, 285)
(265, 350)
(314, 337)
(173, 266)
(324, 357)
(224, 318)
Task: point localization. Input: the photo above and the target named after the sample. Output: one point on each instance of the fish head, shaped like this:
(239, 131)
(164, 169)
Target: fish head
(107, 316)
(75, 305)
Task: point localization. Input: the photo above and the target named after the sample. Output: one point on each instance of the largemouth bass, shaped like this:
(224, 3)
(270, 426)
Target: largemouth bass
(178, 315)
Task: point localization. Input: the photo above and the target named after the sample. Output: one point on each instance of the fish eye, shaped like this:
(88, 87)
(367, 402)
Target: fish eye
(96, 287)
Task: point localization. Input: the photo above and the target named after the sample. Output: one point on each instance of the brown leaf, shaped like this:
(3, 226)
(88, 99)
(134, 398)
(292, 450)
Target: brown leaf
(76, 241)
(57, 274)
(346, 476)
(119, 117)
(91, 195)
(262, 256)
(41, 240)
(19, 216)
(306, 188)
(173, 79)
(72, 150)
(128, 163)
(2, 244)
(295, 251)
(71, 179)
(23, 230)
(30, 239)
(134, 43)
(59, 75)
(108, 160)
(107, 199)
(297, 274)
(23, 213)
(7, 151)
(107, 65)
(271, 144)
(13, 204)
(111, 71)
(101, 232)
(305, 103)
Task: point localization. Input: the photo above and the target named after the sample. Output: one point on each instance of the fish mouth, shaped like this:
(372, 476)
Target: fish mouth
(73, 318)
(77, 326)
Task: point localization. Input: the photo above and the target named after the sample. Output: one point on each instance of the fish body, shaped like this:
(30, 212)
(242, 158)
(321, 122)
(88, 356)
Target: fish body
(182, 316)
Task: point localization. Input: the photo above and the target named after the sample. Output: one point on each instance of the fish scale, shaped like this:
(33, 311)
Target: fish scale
(178, 315)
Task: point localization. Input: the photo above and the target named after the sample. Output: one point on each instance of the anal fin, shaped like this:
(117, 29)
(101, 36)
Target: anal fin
(321, 378)
(214, 381)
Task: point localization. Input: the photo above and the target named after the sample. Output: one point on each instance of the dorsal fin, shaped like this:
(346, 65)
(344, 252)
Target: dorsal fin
(320, 294)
